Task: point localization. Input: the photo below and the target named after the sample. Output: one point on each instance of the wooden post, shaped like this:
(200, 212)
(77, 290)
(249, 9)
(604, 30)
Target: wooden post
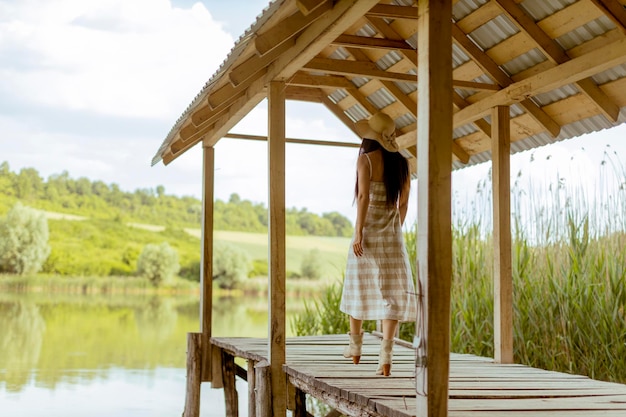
(230, 390)
(300, 404)
(251, 389)
(217, 381)
(194, 377)
(277, 271)
(206, 265)
(434, 238)
(263, 389)
(502, 275)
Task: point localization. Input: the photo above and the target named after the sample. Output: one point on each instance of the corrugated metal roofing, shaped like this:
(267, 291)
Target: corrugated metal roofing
(486, 35)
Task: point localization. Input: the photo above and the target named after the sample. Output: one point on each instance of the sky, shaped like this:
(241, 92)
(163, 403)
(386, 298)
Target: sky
(93, 87)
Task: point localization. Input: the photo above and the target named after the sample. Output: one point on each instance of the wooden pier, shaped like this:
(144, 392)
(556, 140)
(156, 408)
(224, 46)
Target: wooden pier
(478, 386)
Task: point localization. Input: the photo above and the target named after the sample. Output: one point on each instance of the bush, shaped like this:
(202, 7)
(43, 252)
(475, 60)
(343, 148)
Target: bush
(259, 268)
(312, 265)
(23, 240)
(158, 263)
(230, 266)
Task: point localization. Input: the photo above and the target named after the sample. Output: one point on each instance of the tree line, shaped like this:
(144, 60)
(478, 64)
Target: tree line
(96, 199)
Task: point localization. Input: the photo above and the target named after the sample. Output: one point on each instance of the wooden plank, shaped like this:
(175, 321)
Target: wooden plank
(304, 79)
(568, 19)
(434, 205)
(206, 262)
(277, 247)
(502, 273)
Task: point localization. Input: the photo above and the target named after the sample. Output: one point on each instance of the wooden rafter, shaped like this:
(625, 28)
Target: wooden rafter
(571, 71)
(614, 10)
(493, 70)
(368, 42)
(304, 79)
(555, 53)
(289, 28)
(390, 11)
(356, 68)
(257, 63)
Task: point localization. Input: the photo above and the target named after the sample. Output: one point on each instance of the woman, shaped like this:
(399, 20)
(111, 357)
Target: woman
(378, 282)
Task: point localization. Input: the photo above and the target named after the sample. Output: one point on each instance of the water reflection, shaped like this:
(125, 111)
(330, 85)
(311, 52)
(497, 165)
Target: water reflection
(57, 346)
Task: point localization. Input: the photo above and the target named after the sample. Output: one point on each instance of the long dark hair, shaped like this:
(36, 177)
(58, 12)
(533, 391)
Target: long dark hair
(395, 170)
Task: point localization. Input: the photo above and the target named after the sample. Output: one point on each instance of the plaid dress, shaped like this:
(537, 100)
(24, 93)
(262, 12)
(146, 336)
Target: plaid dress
(379, 285)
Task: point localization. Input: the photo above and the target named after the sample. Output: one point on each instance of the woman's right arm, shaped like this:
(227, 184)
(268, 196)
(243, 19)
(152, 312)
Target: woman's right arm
(362, 202)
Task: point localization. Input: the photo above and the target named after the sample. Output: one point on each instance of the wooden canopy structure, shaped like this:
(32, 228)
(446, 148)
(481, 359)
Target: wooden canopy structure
(466, 81)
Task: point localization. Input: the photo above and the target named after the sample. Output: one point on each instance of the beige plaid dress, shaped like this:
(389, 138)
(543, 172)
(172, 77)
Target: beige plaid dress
(379, 284)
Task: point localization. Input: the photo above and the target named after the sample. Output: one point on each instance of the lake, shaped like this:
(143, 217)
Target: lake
(76, 355)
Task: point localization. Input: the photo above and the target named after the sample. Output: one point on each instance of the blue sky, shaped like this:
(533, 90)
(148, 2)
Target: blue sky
(93, 87)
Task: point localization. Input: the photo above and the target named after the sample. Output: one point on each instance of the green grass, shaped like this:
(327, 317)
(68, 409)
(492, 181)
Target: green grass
(332, 250)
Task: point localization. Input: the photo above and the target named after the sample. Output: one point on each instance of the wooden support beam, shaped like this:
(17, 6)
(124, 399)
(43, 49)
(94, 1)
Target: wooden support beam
(389, 33)
(307, 6)
(304, 79)
(571, 71)
(434, 236)
(368, 42)
(277, 245)
(251, 388)
(231, 398)
(206, 263)
(502, 275)
(493, 70)
(355, 68)
(339, 113)
(288, 28)
(263, 385)
(217, 380)
(390, 11)
(300, 404)
(311, 95)
(194, 375)
(295, 140)
(556, 54)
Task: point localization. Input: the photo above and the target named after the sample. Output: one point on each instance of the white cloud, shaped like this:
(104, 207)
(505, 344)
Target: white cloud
(140, 58)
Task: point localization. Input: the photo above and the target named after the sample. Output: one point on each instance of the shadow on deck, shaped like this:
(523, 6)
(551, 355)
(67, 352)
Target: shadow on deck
(478, 386)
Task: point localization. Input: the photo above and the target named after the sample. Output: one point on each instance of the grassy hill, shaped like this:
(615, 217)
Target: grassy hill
(82, 246)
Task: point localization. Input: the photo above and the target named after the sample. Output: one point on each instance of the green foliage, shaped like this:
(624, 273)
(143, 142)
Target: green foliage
(230, 266)
(259, 268)
(158, 263)
(322, 315)
(312, 265)
(23, 240)
(97, 200)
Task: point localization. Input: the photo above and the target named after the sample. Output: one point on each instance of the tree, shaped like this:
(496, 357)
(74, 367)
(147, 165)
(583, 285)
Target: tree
(23, 240)
(230, 266)
(158, 263)
(312, 265)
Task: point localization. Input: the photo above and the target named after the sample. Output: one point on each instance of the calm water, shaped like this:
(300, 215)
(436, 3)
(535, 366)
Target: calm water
(75, 355)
